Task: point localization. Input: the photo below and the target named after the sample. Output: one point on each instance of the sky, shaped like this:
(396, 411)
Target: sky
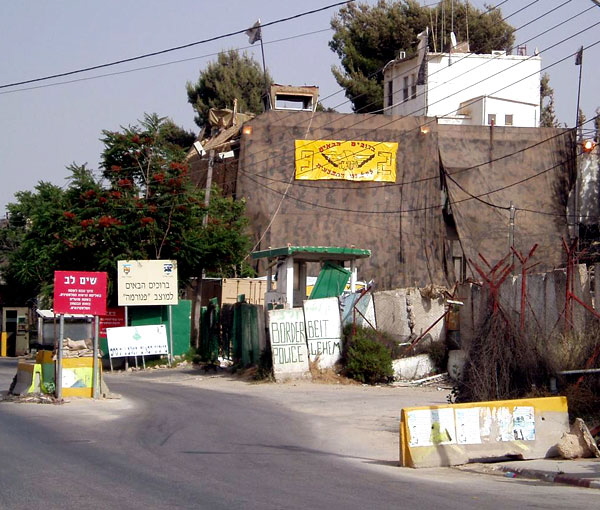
(47, 125)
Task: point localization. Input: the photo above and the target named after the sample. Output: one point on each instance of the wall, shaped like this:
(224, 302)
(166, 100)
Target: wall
(406, 248)
(406, 315)
(545, 304)
(402, 222)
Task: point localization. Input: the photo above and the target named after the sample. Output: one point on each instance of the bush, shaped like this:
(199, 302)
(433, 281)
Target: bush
(365, 359)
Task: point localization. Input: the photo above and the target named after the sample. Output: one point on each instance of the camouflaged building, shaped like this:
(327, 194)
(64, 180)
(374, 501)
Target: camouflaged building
(426, 199)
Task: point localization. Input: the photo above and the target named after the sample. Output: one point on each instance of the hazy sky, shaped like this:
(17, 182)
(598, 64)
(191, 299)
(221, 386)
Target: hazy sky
(45, 126)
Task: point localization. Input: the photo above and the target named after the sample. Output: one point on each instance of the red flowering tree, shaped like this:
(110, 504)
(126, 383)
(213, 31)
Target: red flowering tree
(143, 206)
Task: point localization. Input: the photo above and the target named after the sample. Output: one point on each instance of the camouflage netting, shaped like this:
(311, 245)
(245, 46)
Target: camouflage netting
(532, 168)
(403, 223)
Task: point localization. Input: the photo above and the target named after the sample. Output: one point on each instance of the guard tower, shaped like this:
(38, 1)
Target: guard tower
(290, 267)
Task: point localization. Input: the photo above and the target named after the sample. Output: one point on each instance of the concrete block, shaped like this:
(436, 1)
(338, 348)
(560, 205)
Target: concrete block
(534, 311)
(426, 312)
(465, 294)
(415, 367)
(555, 301)
(392, 315)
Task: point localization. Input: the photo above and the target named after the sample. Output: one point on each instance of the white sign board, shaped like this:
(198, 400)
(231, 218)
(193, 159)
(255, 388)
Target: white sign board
(288, 344)
(147, 282)
(137, 341)
(323, 330)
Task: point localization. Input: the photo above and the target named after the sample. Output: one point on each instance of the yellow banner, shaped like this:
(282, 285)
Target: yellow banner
(346, 160)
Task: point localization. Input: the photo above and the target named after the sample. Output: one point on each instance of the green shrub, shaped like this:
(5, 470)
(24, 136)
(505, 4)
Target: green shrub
(365, 359)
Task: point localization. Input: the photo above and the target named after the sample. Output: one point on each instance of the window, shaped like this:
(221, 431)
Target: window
(508, 120)
(390, 93)
(491, 119)
(405, 89)
(413, 91)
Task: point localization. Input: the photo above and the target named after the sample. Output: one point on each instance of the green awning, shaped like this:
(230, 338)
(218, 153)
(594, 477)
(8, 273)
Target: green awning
(313, 253)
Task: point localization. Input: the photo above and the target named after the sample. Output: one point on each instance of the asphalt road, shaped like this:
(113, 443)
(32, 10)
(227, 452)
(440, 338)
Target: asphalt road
(181, 439)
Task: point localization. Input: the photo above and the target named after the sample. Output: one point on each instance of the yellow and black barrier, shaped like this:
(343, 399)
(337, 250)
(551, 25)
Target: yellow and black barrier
(454, 434)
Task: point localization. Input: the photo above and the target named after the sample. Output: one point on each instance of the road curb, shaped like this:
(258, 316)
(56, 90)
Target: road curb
(552, 477)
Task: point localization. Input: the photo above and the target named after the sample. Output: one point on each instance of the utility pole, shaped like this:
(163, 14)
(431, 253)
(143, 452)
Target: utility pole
(511, 233)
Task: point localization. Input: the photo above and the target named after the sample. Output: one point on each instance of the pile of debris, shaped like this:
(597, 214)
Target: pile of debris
(77, 348)
(32, 398)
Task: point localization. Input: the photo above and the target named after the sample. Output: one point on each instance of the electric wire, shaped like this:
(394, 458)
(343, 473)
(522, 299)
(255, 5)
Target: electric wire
(169, 50)
(154, 66)
(548, 66)
(500, 89)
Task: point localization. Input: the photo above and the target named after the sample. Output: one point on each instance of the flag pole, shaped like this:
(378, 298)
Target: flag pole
(578, 62)
(254, 34)
(262, 51)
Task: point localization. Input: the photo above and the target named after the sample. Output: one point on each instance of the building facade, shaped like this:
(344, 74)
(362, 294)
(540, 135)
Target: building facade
(465, 88)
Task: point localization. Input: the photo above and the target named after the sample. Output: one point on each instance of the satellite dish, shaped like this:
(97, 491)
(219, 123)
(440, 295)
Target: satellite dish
(453, 39)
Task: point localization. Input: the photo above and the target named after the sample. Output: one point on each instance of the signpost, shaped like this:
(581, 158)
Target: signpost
(148, 282)
(79, 292)
(137, 341)
(323, 331)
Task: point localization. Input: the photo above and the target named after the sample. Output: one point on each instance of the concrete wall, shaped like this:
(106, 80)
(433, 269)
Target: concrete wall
(406, 315)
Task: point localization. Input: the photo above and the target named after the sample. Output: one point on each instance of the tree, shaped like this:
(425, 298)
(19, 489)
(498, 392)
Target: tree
(144, 206)
(232, 76)
(368, 37)
(29, 243)
(547, 114)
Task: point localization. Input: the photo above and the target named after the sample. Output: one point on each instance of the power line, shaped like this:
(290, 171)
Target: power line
(420, 209)
(395, 119)
(162, 64)
(168, 50)
(502, 88)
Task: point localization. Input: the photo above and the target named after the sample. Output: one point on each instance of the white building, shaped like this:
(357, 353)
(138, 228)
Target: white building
(465, 88)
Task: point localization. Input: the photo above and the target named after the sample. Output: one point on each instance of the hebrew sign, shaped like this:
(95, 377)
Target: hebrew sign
(147, 282)
(345, 160)
(79, 292)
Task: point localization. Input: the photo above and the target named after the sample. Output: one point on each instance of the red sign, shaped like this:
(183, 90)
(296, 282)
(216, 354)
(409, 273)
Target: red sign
(80, 292)
(114, 318)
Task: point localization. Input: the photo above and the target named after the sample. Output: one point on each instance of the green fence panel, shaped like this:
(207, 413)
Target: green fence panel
(246, 338)
(181, 314)
(209, 332)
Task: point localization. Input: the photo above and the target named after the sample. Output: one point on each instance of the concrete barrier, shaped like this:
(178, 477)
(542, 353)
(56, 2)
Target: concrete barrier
(456, 434)
(29, 378)
(77, 375)
(414, 367)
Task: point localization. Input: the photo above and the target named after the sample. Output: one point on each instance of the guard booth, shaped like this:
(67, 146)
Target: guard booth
(289, 265)
(14, 340)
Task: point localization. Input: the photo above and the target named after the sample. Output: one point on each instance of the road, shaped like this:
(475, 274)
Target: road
(184, 439)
